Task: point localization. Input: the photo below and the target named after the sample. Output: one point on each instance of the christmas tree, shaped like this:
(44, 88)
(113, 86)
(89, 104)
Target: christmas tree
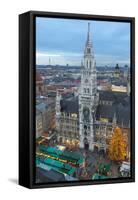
(117, 146)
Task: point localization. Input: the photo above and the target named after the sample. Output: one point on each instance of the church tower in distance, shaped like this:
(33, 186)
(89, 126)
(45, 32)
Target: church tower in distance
(88, 96)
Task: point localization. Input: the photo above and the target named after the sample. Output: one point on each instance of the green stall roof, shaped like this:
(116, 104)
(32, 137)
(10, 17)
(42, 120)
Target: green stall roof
(65, 155)
(57, 165)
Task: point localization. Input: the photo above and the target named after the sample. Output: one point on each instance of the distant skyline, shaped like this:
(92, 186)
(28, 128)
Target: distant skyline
(63, 41)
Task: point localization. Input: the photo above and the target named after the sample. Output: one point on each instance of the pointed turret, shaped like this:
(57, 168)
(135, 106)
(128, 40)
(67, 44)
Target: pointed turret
(88, 47)
(114, 119)
(88, 35)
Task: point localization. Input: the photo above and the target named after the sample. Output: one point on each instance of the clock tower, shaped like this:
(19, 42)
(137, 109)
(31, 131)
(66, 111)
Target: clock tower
(88, 96)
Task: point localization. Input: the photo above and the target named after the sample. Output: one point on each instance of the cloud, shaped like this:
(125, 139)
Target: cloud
(62, 58)
(64, 40)
(58, 54)
(107, 59)
(70, 58)
(38, 54)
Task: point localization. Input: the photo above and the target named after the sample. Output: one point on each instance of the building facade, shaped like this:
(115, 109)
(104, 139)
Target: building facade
(45, 117)
(88, 96)
(87, 119)
(39, 123)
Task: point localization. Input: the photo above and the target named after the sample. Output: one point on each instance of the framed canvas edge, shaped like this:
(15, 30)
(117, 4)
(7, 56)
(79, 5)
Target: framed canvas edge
(33, 14)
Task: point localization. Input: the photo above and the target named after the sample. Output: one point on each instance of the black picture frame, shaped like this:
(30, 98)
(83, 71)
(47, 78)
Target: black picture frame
(27, 97)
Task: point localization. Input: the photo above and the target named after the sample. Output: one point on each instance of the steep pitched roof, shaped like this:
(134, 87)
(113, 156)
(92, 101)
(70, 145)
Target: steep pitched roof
(70, 105)
(120, 109)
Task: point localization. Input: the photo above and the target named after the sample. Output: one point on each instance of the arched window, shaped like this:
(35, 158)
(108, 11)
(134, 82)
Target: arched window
(90, 63)
(87, 64)
(85, 127)
(88, 50)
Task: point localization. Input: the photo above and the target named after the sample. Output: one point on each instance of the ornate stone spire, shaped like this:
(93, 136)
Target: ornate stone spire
(88, 35)
(88, 47)
(88, 96)
(114, 119)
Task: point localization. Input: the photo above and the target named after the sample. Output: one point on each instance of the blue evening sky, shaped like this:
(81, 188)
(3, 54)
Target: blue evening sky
(63, 41)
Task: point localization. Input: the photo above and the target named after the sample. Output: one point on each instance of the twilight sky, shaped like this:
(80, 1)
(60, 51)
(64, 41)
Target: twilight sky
(63, 41)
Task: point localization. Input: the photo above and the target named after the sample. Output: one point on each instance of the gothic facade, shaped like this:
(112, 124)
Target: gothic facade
(88, 96)
(87, 120)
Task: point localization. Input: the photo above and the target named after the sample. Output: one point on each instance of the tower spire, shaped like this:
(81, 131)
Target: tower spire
(88, 46)
(88, 93)
(88, 41)
(88, 35)
(114, 118)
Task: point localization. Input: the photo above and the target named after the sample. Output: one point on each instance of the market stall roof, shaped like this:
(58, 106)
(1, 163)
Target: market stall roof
(65, 155)
(55, 165)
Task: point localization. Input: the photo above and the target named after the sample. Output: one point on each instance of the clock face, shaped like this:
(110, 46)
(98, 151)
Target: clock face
(86, 113)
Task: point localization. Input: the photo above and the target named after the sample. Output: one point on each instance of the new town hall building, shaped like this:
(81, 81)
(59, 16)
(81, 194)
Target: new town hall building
(87, 119)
